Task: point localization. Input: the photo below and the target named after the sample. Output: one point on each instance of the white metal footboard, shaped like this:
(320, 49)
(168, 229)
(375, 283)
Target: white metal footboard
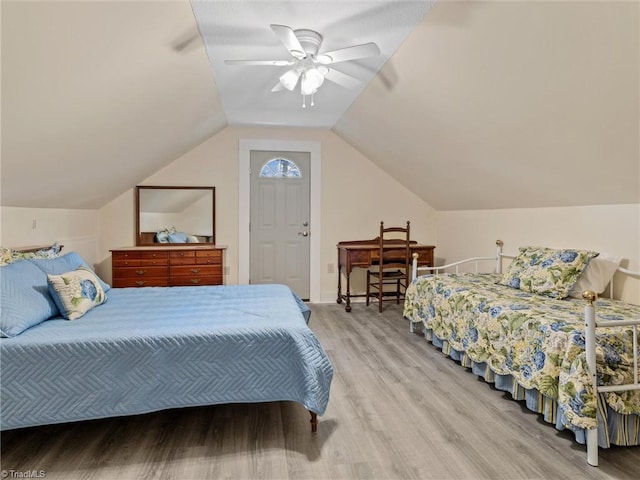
(591, 324)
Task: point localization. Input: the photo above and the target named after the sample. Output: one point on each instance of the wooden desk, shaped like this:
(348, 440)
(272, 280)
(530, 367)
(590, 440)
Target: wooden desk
(361, 254)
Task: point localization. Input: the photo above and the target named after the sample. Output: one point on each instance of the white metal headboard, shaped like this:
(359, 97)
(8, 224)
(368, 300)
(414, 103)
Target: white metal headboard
(416, 270)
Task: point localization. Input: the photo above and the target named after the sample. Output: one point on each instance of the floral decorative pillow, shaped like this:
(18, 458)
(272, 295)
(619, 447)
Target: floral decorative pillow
(5, 256)
(9, 255)
(547, 271)
(76, 292)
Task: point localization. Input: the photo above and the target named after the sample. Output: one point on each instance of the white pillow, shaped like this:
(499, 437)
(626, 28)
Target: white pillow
(597, 275)
(76, 292)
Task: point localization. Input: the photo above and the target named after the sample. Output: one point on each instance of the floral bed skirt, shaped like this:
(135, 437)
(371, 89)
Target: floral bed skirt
(623, 430)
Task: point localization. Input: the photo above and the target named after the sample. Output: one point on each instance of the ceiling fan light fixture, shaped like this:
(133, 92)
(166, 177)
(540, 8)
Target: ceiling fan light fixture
(312, 79)
(289, 80)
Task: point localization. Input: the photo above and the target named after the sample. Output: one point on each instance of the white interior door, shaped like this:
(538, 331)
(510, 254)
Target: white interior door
(280, 219)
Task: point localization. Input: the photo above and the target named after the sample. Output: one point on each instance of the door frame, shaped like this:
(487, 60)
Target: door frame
(244, 205)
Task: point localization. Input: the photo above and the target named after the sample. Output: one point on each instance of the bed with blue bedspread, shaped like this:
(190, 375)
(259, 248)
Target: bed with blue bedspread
(148, 349)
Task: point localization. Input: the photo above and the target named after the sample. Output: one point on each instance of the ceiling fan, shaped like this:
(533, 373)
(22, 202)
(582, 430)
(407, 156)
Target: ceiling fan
(309, 67)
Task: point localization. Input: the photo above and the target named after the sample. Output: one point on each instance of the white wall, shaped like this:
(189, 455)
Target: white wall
(351, 209)
(613, 229)
(77, 230)
(356, 196)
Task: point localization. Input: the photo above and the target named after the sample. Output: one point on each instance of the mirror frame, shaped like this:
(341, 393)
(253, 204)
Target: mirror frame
(140, 243)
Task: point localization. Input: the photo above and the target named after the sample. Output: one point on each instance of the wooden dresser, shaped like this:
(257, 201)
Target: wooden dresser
(167, 266)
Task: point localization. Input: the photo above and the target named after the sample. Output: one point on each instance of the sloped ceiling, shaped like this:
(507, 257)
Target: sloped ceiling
(97, 96)
(485, 104)
(510, 104)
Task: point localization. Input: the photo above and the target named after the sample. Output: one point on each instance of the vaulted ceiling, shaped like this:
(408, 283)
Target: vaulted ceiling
(482, 105)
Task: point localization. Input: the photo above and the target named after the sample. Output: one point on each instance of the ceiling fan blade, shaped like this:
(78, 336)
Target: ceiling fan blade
(278, 63)
(342, 79)
(289, 40)
(278, 87)
(349, 53)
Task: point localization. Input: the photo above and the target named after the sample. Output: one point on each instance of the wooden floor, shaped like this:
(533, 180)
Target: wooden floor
(398, 409)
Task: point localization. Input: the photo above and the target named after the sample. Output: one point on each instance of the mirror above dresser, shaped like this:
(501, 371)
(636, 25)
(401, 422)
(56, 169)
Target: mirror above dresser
(175, 215)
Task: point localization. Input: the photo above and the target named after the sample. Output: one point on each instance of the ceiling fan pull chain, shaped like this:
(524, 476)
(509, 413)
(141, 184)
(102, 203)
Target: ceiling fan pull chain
(304, 104)
(312, 104)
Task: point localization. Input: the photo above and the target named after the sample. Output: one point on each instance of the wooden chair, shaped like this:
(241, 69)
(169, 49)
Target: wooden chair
(391, 266)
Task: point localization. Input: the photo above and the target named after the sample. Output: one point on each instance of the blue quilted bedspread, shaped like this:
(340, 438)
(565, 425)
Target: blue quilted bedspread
(149, 349)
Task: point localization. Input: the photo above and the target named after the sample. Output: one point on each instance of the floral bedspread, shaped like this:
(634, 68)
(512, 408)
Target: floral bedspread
(536, 339)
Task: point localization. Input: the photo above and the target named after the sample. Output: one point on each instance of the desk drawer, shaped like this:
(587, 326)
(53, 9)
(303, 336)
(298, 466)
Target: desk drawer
(425, 257)
(359, 258)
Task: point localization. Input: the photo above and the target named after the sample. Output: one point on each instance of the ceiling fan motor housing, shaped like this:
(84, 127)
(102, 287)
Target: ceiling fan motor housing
(309, 39)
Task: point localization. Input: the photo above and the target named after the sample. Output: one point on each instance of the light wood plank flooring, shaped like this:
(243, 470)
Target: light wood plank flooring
(398, 409)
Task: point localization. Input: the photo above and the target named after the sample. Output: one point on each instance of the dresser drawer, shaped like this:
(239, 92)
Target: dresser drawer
(209, 257)
(125, 259)
(125, 262)
(197, 270)
(125, 255)
(182, 254)
(149, 262)
(140, 282)
(194, 280)
(140, 272)
(158, 256)
(200, 254)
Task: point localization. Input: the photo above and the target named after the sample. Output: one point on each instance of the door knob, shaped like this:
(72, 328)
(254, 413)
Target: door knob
(304, 234)
(305, 224)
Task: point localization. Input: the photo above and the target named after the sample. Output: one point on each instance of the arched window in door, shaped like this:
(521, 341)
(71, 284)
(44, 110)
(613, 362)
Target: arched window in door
(280, 168)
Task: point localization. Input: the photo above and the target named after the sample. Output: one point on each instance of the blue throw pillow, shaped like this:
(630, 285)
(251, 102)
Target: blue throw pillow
(24, 298)
(178, 237)
(63, 264)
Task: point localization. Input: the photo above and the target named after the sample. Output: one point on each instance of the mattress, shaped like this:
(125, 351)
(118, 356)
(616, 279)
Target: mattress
(148, 349)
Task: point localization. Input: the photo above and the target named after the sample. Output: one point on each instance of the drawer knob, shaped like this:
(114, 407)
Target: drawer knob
(140, 283)
(195, 270)
(195, 280)
(141, 272)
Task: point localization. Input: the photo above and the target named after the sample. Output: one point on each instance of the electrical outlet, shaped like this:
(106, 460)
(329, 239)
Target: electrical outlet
(330, 268)
(227, 270)
(33, 224)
